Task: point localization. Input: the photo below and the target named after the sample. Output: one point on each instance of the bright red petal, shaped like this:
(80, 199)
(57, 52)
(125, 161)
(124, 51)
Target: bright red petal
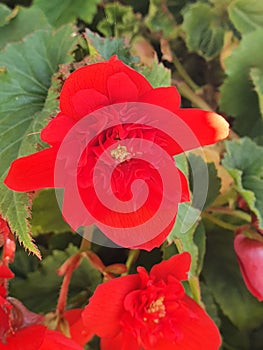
(120, 342)
(208, 127)
(32, 172)
(57, 341)
(5, 272)
(166, 97)
(56, 129)
(177, 266)
(78, 331)
(121, 88)
(29, 338)
(104, 311)
(96, 76)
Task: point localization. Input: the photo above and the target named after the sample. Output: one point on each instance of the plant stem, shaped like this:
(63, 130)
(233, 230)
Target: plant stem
(237, 213)
(86, 239)
(132, 257)
(183, 73)
(219, 222)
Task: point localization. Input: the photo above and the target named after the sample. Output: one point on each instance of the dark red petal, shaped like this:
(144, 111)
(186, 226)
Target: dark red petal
(120, 342)
(103, 313)
(29, 338)
(79, 333)
(32, 172)
(208, 127)
(56, 129)
(96, 76)
(250, 258)
(166, 97)
(57, 341)
(121, 88)
(177, 266)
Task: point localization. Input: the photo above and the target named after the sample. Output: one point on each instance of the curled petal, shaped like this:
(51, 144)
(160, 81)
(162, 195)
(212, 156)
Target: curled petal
(32, 172)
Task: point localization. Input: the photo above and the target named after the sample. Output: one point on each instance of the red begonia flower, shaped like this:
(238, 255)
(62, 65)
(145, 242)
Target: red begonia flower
(90, 89)
(250, 258)
(21, 329)
(151, 312)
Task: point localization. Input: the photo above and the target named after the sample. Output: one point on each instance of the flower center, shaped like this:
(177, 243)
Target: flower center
(156, 309)
(120, 153)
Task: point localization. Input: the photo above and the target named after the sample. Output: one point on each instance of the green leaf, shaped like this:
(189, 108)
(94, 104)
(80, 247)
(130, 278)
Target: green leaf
(183, 232)
(5, 12)
(24, 87)
(246, 15)
(159, 18)
(26, 21)
(223, 278)
(244, 162)
(60, 12)
(119, 21)
(158, 75)
(46, 214)
(257, 79)
(44, 284)
(203, 32)
(108, 47)
(238, 98)
(214, 182)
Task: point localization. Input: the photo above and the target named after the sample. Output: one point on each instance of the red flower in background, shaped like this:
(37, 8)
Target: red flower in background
(87, 90)
(151, 312)
(250, 258)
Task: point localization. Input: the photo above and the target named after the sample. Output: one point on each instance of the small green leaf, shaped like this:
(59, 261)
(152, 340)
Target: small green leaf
(5, 11)
(46, 214)
(244, 162)
(203, 32)
(238, 98)
(187, 222)
(44, 284)
(108, 47)
(120, 20)
(60, 12)
(26, 21)
(24, 87)
(223, 278)
(158, 75)
(246, 15)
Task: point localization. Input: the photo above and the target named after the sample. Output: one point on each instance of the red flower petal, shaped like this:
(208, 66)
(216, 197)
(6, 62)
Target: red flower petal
(32, 172)
(108, 298)
(79, 333)
(5, 272)
(166, 97)
(177, 266)
(96, 77)
(120, 342)
(121, 88)
(29, 338)
(208, 127)
(199, 333)
(56, 341)
(88, 100)
(56, 129)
